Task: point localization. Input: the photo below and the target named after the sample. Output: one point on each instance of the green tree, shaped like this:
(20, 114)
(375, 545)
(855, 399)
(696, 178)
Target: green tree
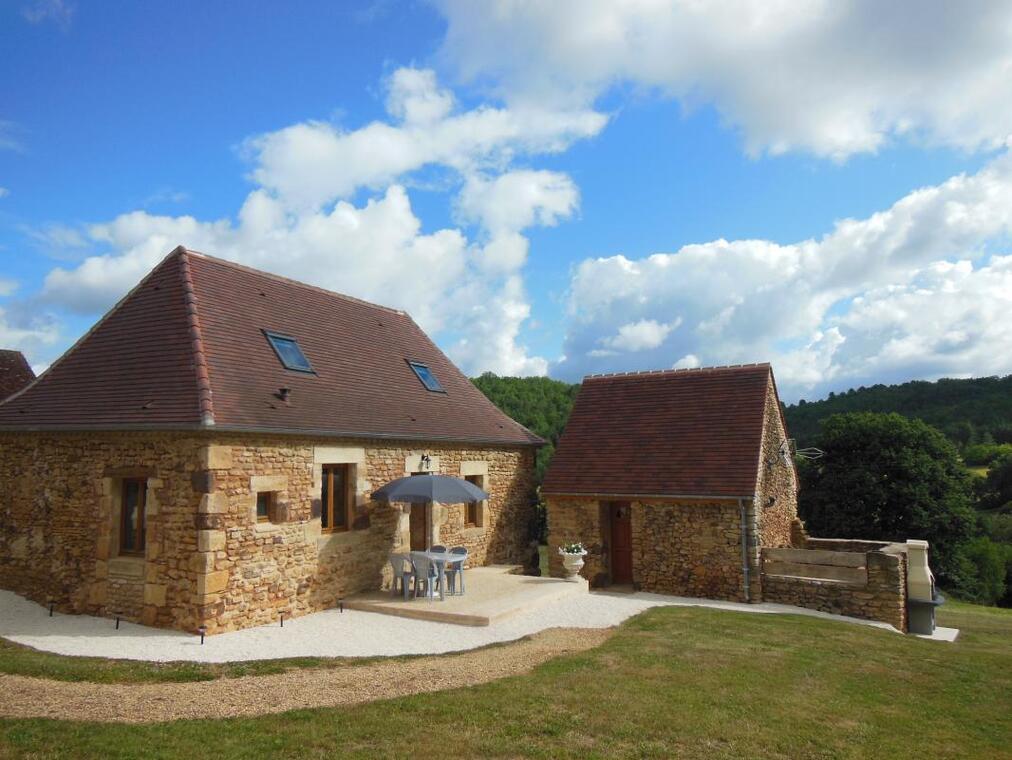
(997, 487)
(889, 478)
(540, 404)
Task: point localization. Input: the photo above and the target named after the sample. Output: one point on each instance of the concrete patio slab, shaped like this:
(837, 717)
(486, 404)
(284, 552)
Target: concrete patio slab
(493, 594)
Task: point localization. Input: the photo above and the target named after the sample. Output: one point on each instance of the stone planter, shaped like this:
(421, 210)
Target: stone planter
(572, 564)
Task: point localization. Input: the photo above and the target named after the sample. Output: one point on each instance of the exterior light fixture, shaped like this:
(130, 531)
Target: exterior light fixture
(203, 632)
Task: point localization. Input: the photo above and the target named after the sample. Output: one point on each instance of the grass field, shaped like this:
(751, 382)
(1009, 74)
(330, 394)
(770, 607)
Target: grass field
(673, 681)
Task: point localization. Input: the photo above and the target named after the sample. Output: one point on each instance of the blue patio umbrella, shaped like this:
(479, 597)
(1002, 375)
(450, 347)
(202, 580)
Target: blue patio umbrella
(421, 489)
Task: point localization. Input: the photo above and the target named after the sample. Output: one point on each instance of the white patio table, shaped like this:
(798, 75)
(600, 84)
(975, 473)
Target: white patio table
(440, 560)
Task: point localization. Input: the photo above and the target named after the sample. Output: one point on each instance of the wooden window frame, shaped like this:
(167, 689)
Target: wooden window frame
(140, 543)
(327, 510)
(271, 507)
(472, 508)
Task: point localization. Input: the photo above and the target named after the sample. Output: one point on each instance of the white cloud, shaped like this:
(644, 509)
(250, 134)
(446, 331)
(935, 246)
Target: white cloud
(29, 333)
(313, 163)
(8, 139)
(518, 199)
(4, 192)
(639, 336)
(299, 223)
(7, 286)
(875, 298)
(689, 361)
(833, 78)
(59, 12)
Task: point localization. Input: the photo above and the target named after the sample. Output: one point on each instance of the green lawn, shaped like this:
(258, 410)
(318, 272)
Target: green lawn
(673, 681)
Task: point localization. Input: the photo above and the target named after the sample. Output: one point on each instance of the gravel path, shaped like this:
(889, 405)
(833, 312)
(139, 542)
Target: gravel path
(334, 634)
(22, 697)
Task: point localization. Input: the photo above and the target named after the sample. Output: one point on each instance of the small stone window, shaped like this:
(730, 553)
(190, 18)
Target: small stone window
(473, 509)
(132, 524)
(267, 506)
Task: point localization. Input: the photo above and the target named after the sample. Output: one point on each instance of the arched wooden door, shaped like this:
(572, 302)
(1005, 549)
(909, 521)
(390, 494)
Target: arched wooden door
(620, 522)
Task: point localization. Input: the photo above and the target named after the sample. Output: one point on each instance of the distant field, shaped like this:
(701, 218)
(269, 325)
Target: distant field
(695, 683)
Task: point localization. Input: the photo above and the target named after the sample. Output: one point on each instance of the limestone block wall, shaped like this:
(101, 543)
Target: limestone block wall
(59, 522)
(252, 572)
(882, 598)
(577, 519)
(208, 560)
(687, 548)
(777, 492)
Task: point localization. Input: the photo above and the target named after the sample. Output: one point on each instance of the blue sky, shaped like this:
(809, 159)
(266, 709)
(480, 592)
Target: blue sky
(560, 176)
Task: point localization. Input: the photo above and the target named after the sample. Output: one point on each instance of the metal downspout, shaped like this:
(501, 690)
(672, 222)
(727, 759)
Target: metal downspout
(744, 548)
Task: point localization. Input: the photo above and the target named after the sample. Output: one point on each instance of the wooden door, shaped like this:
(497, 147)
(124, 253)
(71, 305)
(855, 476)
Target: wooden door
(621, 542)
(419, 524)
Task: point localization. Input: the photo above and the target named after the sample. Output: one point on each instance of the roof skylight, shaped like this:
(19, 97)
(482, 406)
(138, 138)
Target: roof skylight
(289, 352)
(425, 375)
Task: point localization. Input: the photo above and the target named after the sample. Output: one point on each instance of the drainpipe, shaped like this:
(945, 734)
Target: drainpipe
(744, 548)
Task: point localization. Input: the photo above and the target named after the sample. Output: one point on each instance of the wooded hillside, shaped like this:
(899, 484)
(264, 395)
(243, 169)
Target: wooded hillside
(977, 410)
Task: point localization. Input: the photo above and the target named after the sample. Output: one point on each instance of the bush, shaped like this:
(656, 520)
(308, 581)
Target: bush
(985, 568)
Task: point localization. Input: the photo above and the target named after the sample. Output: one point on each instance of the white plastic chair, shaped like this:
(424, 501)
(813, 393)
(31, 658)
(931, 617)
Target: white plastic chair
(404, 571)
(455, 569)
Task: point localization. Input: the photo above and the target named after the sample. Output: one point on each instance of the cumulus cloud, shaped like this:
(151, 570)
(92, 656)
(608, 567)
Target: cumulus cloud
(833, 78)
(313, 163)
(299, 221)
(639, 336)
(875, 298)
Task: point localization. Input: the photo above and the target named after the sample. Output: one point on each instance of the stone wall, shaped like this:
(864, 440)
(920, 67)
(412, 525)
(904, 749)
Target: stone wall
(686, 548)
(59, 522)
(574, 519)
(777, 492)
(258, 571)
(883, 598)
(208, 561)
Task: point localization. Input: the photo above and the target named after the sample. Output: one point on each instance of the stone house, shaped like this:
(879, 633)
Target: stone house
(683, 482)
(673, 480)
(205, 454)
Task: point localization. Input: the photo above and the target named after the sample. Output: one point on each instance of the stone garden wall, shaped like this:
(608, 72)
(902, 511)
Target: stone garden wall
(208, 561)
(880, 594)
(882, 597)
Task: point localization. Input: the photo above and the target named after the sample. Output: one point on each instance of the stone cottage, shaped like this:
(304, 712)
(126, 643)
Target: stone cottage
(205, 454)
(683, 482)
(673, 480)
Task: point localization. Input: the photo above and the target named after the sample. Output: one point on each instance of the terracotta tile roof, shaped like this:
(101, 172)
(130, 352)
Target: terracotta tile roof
(15, 373)
(670, 433)
(186, 349)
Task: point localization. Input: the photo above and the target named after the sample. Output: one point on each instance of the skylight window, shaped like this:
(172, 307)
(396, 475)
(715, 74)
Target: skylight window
(425, 375)
(288, 351)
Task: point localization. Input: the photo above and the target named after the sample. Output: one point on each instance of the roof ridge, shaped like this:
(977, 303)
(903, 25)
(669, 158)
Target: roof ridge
(204, 395)
(679, 371)
(290, 281)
